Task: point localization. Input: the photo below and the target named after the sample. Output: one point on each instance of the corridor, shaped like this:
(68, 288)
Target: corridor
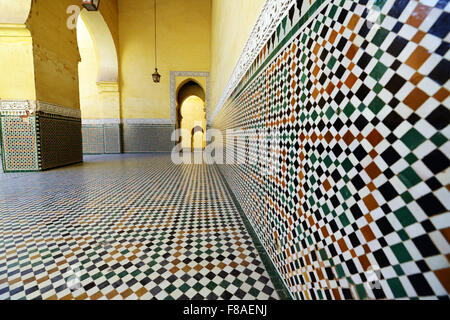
(328, 123)
(126, 227)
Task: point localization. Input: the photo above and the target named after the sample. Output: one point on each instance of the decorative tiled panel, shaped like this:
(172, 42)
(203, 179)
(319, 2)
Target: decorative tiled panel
(101, 138)
(20, 146)
(37, 135)
(93, 139)
(349, 187)
(147, 138)
(112, 138)
(139, 137)
(60, 141)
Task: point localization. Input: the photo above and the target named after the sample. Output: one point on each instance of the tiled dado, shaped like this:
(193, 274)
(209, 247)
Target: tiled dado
(350, 195)
(148, 135)
(101, 137)
(131, 136)
(37, 136)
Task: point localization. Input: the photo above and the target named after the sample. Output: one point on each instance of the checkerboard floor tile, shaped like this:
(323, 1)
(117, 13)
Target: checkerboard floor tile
(125, 227)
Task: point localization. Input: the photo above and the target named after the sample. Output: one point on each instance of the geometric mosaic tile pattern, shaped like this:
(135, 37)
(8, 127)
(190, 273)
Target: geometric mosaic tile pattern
(20, 146)
(39, 142)
(60, 141)
(125, 227)
(139, 138)
(93, 139)
(356, 117)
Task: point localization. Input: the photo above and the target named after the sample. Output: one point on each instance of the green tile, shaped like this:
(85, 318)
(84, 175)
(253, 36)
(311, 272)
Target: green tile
(349, 109)
(403, 235)
(411, 158)
(412, 139)
(378, 71)
(171, 288)
(397, 288)
(376, 105)
(409, 177)
(398, 270)
(438, 139)
(380, 36)
(401, 252)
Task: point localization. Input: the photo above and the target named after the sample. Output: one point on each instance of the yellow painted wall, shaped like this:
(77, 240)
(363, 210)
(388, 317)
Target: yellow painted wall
(16, 52)
(42, 62)
(193, 35)
(232, 23)
(55, 53)
(184, 28)
(16, 63)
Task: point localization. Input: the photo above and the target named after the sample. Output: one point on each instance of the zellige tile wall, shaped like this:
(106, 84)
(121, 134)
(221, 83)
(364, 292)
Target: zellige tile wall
(354, 105)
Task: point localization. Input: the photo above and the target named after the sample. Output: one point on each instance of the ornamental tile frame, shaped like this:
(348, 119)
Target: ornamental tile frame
(355, 119)
(173, 89)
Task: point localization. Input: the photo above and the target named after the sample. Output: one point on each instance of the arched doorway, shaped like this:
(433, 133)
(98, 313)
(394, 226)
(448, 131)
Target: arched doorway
(191, 116)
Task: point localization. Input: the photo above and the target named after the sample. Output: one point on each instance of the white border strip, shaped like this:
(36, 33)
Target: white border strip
(99, 121)
(147, 121)
(29, 107)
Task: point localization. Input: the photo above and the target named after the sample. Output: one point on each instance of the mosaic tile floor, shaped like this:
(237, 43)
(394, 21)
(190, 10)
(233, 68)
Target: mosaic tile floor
(125, 227)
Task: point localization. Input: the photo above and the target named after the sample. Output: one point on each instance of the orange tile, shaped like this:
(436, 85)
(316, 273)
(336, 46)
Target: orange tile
(374, 138)
(351, 80)
(419, 14)
(332, 37)
(351, 52)
(353, 21)
(370, 202)
(418, 58)
(418, 36)
(141, 292)
(367, 233)
(441, 95)
(372, 170)
(416, 78)
(416, 99)
(444, 277)
(126, 293)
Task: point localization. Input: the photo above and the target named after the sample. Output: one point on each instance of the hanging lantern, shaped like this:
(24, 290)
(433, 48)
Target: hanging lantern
(91, 5)
(156, 76)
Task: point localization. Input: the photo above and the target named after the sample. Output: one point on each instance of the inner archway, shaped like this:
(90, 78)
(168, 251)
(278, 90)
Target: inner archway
(191, 116)
(99, 64)
(98, 83)
(87, 72)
